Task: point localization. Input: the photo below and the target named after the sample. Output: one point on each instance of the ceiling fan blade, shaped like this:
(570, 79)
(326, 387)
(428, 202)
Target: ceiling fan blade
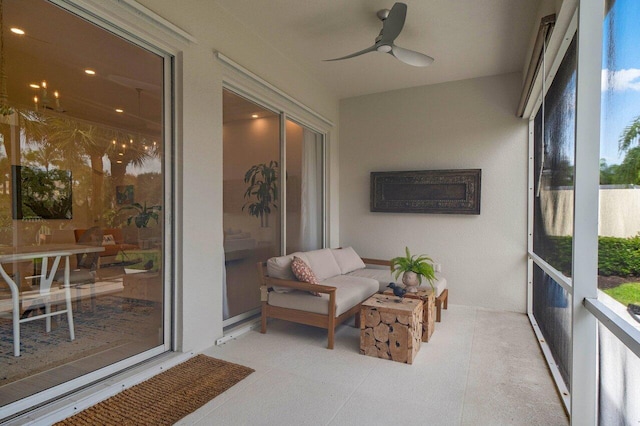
(410, 57)
(392, 25)
(362, 52)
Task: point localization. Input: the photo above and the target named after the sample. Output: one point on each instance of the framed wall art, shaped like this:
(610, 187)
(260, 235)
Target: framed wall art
(426, 191)
(124, 194)
(41, 193)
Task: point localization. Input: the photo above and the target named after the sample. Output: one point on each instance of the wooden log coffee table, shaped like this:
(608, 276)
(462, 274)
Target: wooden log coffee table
(428, 309)
(391, 328)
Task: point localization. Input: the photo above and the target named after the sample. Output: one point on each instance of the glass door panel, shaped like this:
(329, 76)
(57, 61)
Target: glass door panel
(304, 195)
(251, 198)
(81, 158)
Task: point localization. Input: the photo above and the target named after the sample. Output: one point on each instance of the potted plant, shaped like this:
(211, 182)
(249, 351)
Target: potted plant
(142, 215)
(262, 180)
(413, 269)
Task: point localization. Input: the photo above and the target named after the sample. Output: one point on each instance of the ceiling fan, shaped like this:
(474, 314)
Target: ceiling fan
(392, 23)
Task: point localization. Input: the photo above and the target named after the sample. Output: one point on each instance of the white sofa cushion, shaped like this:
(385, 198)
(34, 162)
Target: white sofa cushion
(440, 285)
(347, 259)
(384, 277)
(349, 292)
(322, 263)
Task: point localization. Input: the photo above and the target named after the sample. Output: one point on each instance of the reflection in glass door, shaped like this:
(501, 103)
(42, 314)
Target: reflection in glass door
(251, 198)
(82, 163)
(262, 192)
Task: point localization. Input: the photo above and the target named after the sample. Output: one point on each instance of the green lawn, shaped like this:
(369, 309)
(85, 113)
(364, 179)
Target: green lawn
(625, 293)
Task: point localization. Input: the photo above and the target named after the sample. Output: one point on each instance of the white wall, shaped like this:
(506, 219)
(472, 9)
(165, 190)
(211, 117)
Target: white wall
(460, 125)
(200, 203)
(617, 212)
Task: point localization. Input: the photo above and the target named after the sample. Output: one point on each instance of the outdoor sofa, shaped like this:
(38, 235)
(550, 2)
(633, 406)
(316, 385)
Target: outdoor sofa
(345, 281)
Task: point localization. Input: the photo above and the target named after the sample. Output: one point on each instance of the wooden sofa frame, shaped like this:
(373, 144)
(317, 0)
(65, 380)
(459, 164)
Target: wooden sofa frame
(328, 322)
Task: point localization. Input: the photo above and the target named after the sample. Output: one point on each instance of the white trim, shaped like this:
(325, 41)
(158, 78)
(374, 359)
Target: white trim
(530, 207)
(240, 317)
(565, 395)
(131, 20)
(169, 141)
(155, 19)
(283, 182)
(584, 328)
(556, 275)
(238, 331)
(325, 189)
(242, 70)
(625, 332)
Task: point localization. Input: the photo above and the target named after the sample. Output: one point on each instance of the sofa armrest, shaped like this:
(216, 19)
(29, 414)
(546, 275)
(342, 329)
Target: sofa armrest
(266, 281)
(299, 285)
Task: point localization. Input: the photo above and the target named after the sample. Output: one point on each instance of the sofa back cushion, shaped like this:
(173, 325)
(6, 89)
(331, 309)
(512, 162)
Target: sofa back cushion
(280, 267)
(322, 263)
(348, 260)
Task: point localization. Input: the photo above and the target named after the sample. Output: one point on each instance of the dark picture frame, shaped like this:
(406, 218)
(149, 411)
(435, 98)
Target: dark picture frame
(454, 191)
(41, 194)
(124, 194)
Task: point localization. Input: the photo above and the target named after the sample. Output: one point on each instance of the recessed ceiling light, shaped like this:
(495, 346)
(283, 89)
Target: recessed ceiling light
(254, 116)
(119, 161)
(34, 86)
(119, 110)
(16, 30)
(90, 71)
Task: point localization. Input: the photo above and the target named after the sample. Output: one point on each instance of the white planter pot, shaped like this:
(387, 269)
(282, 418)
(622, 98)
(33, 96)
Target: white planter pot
(410, 281)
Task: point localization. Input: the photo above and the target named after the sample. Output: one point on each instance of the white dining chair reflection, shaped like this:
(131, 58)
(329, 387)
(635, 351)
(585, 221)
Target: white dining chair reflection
(45, 297)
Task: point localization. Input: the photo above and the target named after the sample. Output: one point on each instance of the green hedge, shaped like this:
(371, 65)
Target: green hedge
(616, 256)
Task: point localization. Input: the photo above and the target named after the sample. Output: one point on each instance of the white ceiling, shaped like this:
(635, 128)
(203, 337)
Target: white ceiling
(467, 38)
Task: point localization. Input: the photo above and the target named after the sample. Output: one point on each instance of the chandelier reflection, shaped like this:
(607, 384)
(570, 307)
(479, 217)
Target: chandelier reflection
(44, 101)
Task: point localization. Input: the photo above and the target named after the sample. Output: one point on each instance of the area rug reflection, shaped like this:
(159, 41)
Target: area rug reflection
(116, 321)
(167, 397)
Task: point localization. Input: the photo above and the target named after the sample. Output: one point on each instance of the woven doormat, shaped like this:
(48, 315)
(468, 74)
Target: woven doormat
(167, 397)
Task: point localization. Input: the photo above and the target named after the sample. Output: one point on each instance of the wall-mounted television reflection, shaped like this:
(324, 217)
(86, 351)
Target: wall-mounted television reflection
(41, 194)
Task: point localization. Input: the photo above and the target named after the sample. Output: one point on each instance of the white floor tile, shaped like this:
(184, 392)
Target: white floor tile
(480, 367)
(281, 398)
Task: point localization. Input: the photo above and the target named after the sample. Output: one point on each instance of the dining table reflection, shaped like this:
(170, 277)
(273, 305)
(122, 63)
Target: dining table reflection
(25, 267)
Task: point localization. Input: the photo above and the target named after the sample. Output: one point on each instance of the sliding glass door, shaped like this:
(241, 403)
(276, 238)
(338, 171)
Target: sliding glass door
(82, 175)
(273, 196)
(251, 198)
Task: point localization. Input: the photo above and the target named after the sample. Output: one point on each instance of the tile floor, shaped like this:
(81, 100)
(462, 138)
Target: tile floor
(480, 368)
